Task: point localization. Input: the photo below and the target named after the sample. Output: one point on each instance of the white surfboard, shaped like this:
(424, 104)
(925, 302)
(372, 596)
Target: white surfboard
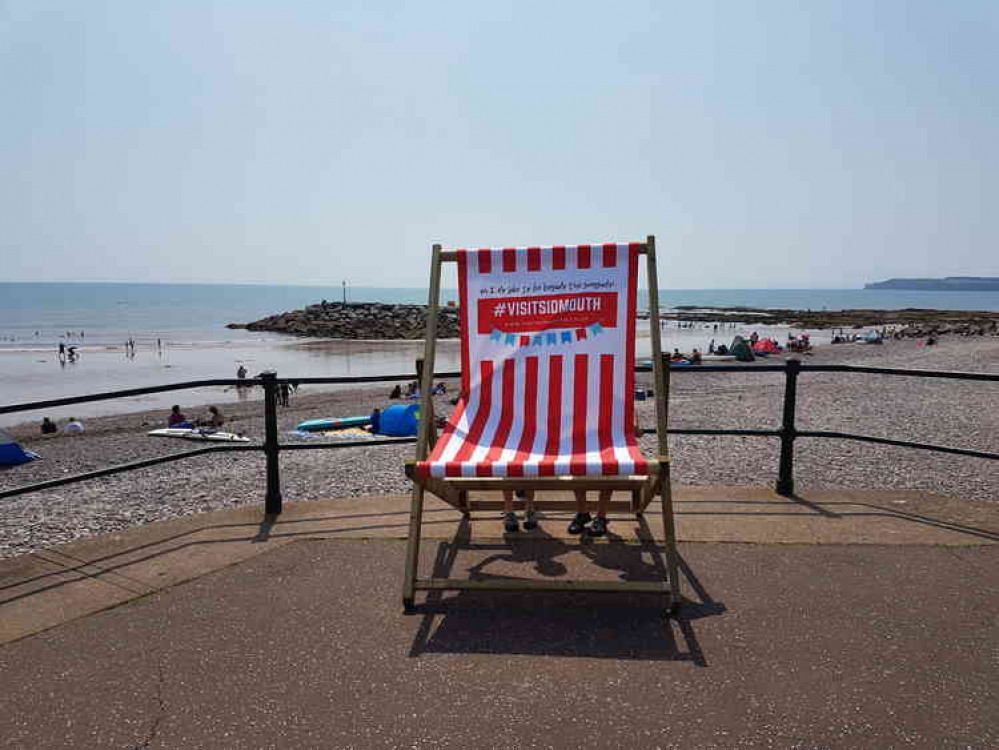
(199, 434)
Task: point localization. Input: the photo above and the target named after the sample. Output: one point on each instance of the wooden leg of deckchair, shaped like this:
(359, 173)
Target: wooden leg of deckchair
(669, 531)
(413, 549)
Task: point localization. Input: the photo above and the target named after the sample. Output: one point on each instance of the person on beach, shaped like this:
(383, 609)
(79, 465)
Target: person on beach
(284, 391)
(510, 523)
(396, 392)
(213, 418)
(62, 349)
(73, 427)
(241, 372)
(49, 427)
(176, 416)
(582, 522)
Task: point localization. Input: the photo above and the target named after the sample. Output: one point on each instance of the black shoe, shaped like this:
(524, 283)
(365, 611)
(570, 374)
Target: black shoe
(578, 525)
(510, 523)
(599, 527)
(530, 520)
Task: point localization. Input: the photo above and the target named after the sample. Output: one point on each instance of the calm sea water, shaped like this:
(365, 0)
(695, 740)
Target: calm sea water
(111, 313)
(189, 320)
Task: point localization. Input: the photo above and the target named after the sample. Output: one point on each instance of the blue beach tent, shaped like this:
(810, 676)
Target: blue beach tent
(12, 454)
(400, 420)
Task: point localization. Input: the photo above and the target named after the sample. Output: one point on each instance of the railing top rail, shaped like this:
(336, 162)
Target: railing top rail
(48, 404)
(366, 378)
(717, 368)
(353, 379)
(952, 374)
(344, 380)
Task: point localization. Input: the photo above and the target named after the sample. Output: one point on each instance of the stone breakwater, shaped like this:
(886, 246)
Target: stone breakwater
(375, 320)
(912, 323)
(358, 320)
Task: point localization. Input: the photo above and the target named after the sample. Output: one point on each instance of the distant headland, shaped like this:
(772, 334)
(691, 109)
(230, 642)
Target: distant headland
(949, 283)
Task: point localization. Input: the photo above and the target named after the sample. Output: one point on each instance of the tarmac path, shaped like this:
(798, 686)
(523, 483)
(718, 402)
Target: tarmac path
(306, 645)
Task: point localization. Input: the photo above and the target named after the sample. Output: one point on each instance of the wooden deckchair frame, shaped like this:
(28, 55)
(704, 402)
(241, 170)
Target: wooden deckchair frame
(454, 490)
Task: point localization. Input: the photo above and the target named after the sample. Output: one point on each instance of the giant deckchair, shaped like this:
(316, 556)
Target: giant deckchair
(547, 394)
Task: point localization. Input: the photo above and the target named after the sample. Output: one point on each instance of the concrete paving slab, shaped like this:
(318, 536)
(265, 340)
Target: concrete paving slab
(57, 585)
(825, 646)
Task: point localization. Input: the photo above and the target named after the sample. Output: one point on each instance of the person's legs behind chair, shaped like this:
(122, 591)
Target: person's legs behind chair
(599, 527)
(510, 522)
(530, 515)
(578, 525)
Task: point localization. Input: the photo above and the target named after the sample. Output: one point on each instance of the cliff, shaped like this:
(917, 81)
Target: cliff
(950, 283)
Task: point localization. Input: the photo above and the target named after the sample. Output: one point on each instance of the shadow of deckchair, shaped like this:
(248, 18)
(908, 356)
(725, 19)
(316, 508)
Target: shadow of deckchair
(586, 624)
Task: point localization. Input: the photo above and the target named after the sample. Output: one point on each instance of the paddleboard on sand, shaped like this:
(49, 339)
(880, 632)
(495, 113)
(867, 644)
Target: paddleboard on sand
(333, 423)
(198, 434)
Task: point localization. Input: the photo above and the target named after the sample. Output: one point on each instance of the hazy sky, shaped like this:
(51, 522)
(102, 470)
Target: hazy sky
(765, 144)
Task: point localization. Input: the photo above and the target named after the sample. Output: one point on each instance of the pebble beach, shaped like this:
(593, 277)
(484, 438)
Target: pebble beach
(945, 412)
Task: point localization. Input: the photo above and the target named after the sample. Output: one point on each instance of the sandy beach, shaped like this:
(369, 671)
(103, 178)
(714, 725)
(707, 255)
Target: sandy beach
(955, 413)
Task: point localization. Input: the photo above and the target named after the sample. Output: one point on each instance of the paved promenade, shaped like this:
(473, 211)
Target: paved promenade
(840, 619)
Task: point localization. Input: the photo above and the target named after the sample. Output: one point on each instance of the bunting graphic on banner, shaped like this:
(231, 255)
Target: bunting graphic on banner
(548, 338)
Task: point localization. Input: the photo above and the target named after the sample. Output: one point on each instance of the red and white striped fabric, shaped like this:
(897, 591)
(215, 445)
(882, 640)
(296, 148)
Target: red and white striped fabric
(548, 355)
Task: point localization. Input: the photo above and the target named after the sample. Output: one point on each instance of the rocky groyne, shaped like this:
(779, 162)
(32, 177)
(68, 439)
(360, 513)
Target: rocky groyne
(908, 322)
(358, 320)
(375, 320)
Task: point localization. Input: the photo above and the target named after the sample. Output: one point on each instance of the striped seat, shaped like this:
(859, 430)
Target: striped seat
(548, 354)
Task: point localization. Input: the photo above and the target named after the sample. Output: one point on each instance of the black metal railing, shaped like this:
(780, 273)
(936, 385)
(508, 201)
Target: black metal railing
(272, 448)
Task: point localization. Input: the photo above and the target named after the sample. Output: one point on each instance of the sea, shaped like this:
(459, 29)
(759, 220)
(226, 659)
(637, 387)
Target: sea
(180, 334)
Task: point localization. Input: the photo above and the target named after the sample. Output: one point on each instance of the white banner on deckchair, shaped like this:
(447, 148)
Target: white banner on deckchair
(548, 354)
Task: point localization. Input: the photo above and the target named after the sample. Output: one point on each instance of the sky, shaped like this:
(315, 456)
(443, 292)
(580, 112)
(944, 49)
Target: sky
(765, 144)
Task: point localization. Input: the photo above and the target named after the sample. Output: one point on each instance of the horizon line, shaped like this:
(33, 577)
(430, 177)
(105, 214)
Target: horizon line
(371, 286)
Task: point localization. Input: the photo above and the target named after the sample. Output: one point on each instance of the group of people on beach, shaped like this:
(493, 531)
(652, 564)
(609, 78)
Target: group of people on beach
(213, 418)
(413, 390)
(284, 390)
(67, 353)
(73, 426)
(694, 358)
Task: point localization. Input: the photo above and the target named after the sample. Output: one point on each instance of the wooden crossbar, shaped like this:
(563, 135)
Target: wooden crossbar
(524, 584)
(542, 504)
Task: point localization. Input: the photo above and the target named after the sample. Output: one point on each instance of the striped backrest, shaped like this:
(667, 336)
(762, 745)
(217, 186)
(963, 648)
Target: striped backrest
(548, 355)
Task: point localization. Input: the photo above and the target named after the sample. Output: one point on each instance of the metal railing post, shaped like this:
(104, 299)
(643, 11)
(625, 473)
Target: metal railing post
(788, 432)
(272, 498)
